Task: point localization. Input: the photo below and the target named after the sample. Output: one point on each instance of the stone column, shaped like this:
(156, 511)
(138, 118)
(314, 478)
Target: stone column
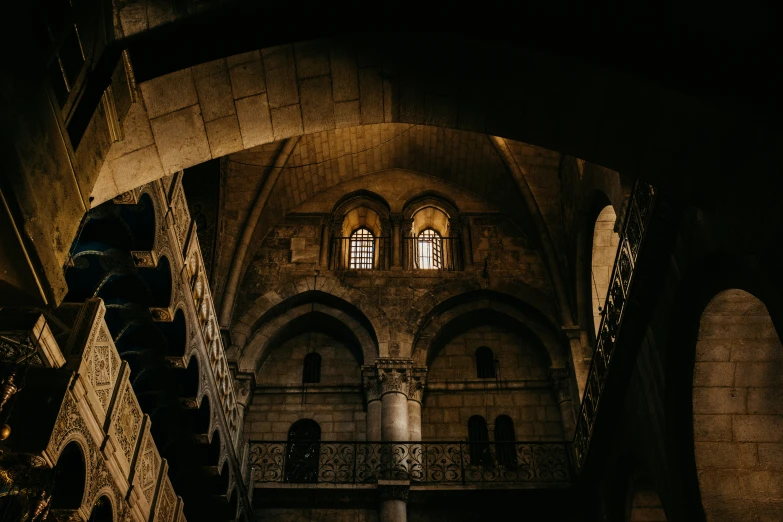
(467, 246)
(394, 398)
(406, 251)
(396, 225)
(372, 394)
(394, 500)
(561, 381)
(415, 451)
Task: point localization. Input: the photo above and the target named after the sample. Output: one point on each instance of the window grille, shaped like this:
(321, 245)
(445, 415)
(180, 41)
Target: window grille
(430, 250)
(485, 363)
(505, 438)
(311, 371)
(478, 441)
(362, 250)
(302, 451)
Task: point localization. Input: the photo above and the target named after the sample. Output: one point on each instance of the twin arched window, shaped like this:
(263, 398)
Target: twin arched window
(505, 442)
(303, 451)
(362, 249)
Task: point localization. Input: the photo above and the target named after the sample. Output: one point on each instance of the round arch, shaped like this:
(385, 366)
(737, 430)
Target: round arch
(70, 477)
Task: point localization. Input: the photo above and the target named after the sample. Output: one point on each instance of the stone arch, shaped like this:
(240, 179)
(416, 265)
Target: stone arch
(103, 507)
(380, 324)
(361, 198)
(160, 281)
(70, 476)
(445, 296)
(604, 244)
(263, 338)
(452, 320)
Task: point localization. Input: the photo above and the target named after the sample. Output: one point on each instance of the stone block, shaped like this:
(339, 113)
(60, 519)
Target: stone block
(719, 400)
(243, 57)
(726, 455)
(712, 427)
(761, 484)
(345, 77)
(312, 59)
(247, 78)
(181, 139)
(771, 456)
(719, 483)
(758, 428)
(759, 374)
(287, 122)
(317, 105)
(280, 76)
(765, 400)
(255, 123)
(169, 93)
(224, 136)
(371, 87)
(136, 168)
(214, 95)
(713, 374)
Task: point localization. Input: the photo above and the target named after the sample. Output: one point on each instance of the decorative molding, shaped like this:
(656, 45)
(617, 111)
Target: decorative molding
(394, 492)
(144, 258)
(126, 198)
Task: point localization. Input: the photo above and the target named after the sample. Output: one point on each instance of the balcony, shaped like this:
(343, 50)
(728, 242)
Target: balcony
(426, 464)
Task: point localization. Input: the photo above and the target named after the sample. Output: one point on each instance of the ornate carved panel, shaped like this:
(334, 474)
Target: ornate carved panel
(127, 421)
(165, 510)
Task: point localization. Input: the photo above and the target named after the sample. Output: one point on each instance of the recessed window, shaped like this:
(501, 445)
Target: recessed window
(430, 250)
(362, 250)
(478, 441)
(485, 363)
(505, 442)
(311, 372)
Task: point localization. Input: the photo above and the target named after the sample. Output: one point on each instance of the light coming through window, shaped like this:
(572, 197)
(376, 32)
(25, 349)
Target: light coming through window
(430, 250)
(362, 249)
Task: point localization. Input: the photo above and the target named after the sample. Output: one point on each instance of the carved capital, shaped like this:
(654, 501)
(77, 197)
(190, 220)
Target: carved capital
(561, 381)
(397, 219)
(144, 258)
(416, 384)
(371, 384)
(126, 198)
(393, 380)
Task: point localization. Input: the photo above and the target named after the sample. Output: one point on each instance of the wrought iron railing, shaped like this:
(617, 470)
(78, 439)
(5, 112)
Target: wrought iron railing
(423, 463)
(634, 229)
(438, 253)
(362, 254)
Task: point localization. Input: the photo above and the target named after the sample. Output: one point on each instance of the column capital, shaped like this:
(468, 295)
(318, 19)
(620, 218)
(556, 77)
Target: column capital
(371, 383)
(396, 219)
(416, 384)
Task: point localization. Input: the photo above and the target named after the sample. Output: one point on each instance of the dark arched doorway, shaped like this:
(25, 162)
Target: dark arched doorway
(302, 451)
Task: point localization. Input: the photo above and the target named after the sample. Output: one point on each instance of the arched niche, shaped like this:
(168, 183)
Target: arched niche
(102, 511)
(430, 210)
(737, 411)
(70, 476)
(175, 334)
(159, 281)
(603, 252)
(140, 220)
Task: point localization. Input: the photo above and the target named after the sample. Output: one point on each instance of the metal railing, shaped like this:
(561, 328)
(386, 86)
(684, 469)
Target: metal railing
(424, 253)
(423, 463)
(372, 254)
(634, 229)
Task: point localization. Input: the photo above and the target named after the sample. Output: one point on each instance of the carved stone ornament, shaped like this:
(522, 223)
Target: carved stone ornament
(18, 348)
(416, 384)
(126, 198)
(372, 386)
(161, 315)
(561, 382)
(144, 258)
(127, 423)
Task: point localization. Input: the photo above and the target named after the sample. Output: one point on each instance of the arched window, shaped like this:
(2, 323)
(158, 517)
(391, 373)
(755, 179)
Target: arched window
(485, 363)
(311, 372)
(362, 249)
(430, 250)
(478, 441)
(302, 451)
(101, 511)
(505, 442)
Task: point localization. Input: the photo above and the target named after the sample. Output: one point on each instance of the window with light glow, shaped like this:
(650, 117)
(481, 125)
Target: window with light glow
(362, 250)
(430, 250)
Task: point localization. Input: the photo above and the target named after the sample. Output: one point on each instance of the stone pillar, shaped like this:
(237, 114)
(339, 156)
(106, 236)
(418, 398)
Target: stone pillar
(415, 392)
(372, 394)
(406, 250)
(561, 381)
(394, 398)
(396, 225)
(467, 245)
(394, 500)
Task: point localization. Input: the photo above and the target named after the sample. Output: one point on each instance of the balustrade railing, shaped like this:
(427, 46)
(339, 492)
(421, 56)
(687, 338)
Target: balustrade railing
(633, 233)
(423, 463)
(346, 253)
(431, 253)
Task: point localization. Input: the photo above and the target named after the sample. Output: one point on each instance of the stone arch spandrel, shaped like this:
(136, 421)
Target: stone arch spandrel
(243, 329)
(257, 348)
(737, 410)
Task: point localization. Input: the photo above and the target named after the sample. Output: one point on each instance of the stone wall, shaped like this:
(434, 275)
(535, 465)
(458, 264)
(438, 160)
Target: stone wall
(530, 403)
(738, 409)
